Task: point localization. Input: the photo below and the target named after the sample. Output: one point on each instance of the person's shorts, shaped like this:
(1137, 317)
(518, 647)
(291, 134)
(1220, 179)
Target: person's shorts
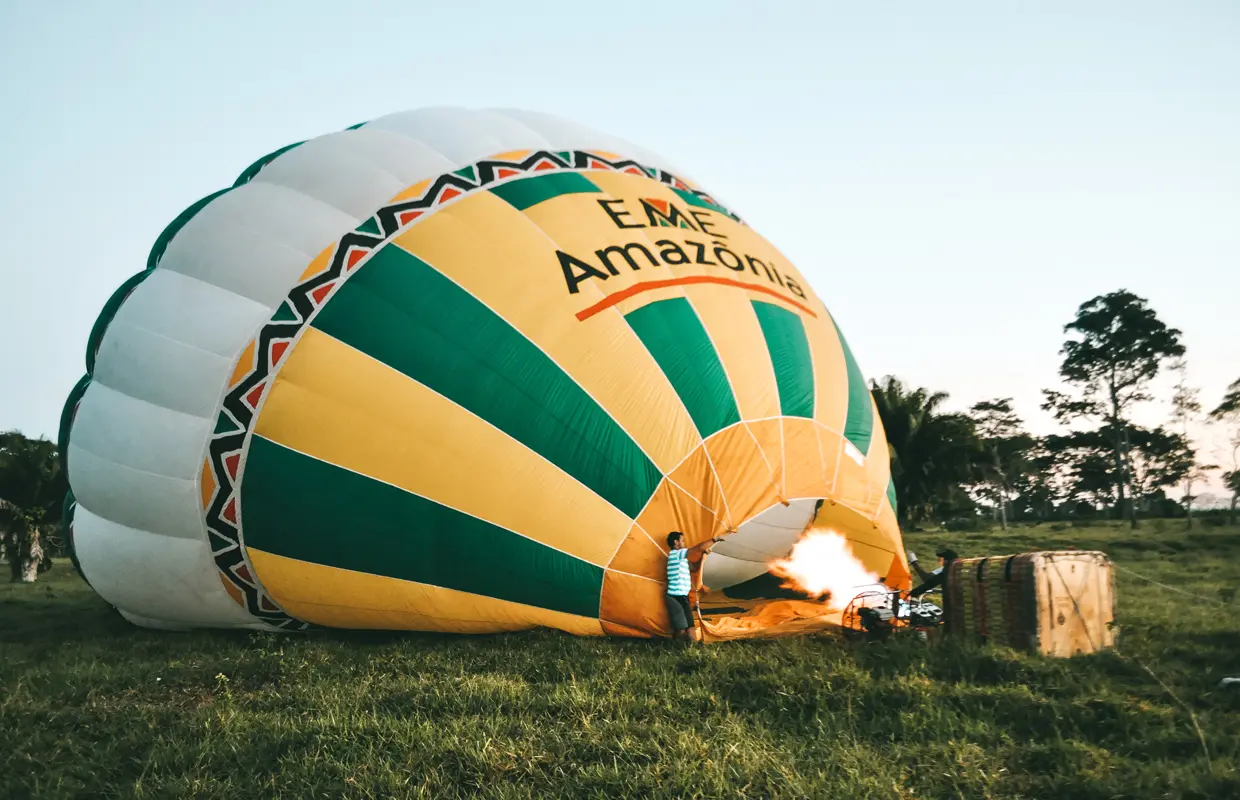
(679, 612)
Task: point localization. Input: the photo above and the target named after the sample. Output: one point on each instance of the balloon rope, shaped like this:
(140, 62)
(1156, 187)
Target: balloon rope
(1201, 737)
(1191, 715)
(1171, 588)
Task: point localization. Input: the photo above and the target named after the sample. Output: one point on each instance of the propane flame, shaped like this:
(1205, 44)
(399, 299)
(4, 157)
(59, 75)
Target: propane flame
(822, 565)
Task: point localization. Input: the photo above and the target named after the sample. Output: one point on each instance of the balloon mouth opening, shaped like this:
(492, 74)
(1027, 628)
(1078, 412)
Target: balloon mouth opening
(742, 595)
(779, 573)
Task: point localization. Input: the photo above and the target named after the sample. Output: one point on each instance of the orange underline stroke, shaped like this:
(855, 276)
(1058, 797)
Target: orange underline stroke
(625, 294)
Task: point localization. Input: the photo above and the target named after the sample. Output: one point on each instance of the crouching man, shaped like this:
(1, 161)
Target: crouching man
(936, 579)
(679, 583)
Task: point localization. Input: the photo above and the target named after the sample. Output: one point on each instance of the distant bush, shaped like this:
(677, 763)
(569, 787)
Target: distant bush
(1165, 508)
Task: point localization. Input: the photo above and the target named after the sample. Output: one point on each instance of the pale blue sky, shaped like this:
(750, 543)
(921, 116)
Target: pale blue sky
(954, 178)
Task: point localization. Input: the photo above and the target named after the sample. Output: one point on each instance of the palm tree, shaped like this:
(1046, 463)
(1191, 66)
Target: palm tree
(1231, 401)
(1232, 481)
(932, 453)
(1001, 434)
(32, 491)
(1229, 411)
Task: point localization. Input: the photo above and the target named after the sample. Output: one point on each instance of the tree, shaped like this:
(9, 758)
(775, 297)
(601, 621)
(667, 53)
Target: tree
(1120, 346)
(1088, 472)
(1231, 402)
(1231, 479)
(1002, 436)
(32, 491)
(1159, 459)
(1185, 411)
(1228, 411)
(1045, 483)
(932, 453)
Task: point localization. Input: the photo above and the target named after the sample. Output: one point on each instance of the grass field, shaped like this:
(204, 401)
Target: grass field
(91, 706)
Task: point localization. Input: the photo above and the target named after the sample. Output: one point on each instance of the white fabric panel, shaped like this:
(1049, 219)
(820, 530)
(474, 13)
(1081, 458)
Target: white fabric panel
(202, 315)
(563, 134)
(404, 158)
(247, 263)
(723, 571)
(771, 534)
(159, 370)
(768, 536)
(170, 580)
(331, 171)
(256, 240)
(154, 624)
(170, 625)
(166, 506)
(461, 135)
(136, 434)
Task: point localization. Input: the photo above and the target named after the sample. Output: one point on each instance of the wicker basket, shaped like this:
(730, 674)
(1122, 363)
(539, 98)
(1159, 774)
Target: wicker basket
(1059, 603)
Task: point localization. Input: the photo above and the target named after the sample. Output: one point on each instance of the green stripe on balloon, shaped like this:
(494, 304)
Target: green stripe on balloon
(671, 331)
(891, 495)
(694, 200)
(859, 425)
(404, 313)
(299, 507)
(789, 348)
(526, 192)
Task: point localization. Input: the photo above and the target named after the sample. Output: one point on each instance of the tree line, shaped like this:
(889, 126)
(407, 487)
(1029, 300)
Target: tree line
(959, 466)
(946, 466)
(32, 495)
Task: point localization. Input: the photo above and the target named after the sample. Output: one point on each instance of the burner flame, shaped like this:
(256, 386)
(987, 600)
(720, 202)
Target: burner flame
(823, 566)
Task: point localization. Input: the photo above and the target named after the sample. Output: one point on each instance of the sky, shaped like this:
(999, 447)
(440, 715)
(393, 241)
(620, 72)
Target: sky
(953, 178)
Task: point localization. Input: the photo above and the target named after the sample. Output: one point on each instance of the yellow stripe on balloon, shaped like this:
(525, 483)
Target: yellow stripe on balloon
(510, 155)
(870, 544)
(494, 252)
(634, 602)
(728, 316)
(748, 484)
(888, 534)
(830, 373)
(805, 473)
(888, 530)
(414, 191)
(852, 488)
(336, 404)
(878, 463)
(315, 593)
(740, 357)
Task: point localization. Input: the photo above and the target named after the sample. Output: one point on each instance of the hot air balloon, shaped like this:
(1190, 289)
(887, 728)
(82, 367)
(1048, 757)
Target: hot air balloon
(463, 371)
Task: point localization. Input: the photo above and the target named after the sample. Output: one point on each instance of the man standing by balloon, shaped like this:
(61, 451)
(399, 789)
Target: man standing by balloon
(937, 578)
(680, 583)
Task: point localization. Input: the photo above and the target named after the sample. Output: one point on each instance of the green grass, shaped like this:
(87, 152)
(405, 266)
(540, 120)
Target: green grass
(92, 706)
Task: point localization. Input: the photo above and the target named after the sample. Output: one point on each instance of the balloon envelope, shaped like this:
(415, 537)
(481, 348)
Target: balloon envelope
(462, 371)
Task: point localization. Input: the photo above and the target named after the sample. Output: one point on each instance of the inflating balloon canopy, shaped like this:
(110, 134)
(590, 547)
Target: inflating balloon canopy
(463, 371)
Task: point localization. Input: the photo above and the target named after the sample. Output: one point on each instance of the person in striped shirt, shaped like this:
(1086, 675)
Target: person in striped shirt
(679, 582)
